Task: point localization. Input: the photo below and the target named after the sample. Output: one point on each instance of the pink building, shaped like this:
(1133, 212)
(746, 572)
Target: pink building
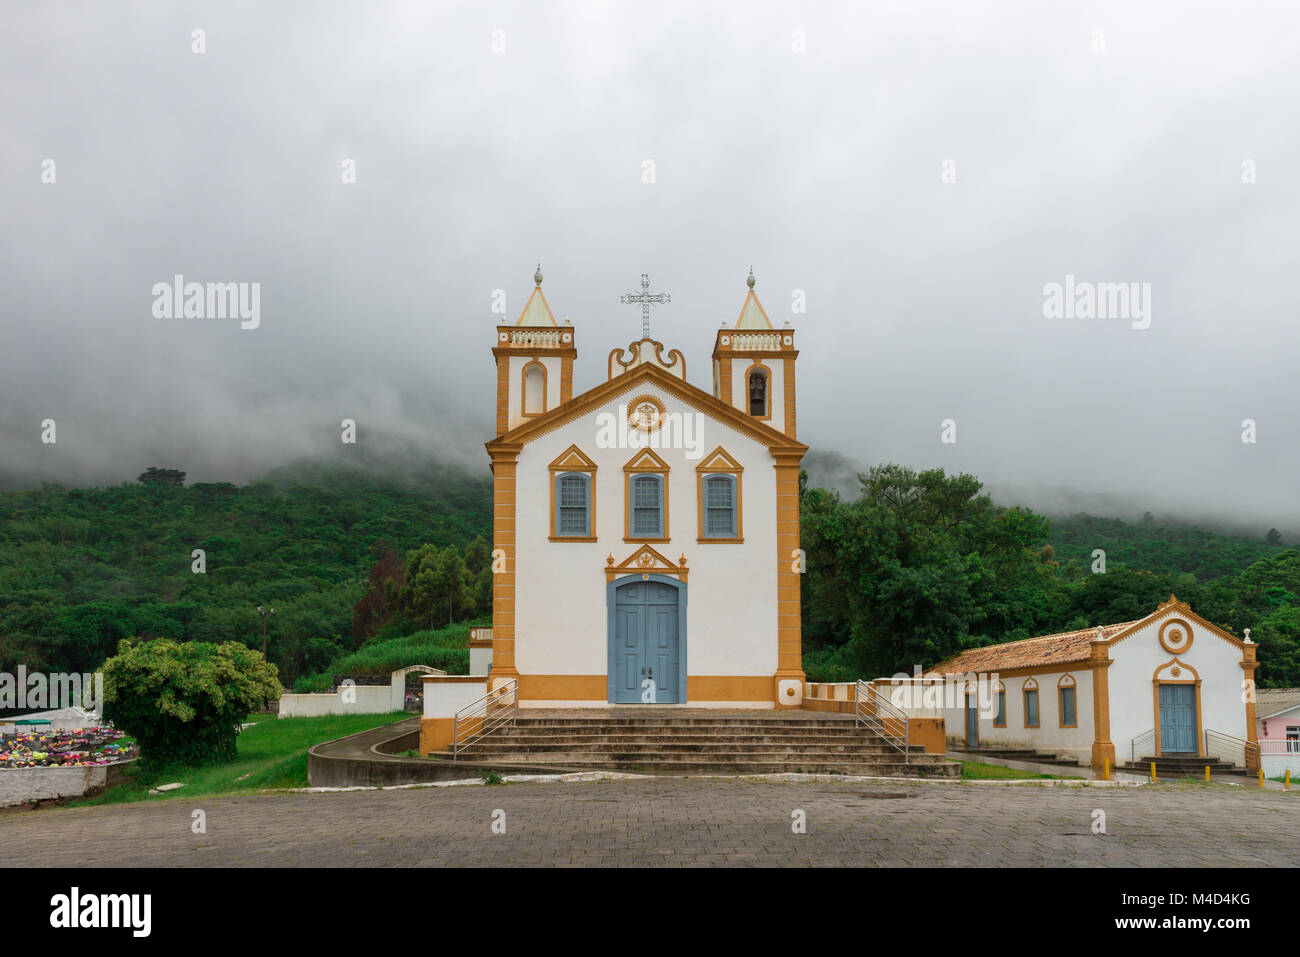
(1277, 710)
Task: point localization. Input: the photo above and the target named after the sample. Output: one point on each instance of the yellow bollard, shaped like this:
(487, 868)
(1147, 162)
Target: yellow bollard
(1286, 784)
(1153, 772)
(1261, 777)
(1105, 769)
(1207, 774)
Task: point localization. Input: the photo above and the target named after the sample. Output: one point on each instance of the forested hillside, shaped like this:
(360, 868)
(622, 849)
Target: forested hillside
(921, 565)
(917, 567)
(82, 568)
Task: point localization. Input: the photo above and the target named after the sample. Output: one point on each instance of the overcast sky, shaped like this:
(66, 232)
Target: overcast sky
(487, 137)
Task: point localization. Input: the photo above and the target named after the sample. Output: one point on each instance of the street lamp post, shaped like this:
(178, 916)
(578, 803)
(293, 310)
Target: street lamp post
(264, 611)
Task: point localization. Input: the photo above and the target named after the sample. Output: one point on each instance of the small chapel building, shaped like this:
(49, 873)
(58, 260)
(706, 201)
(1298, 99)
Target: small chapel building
(1170, 684)
(646, 531)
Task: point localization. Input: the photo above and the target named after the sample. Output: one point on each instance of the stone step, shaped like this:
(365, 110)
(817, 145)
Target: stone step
(680, 723)
(747, 765)
(664, 743)
(600, 740)
(866, 751)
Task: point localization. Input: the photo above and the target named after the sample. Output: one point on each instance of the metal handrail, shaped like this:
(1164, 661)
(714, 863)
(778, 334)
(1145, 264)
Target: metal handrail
(873, 709)
(1235, 743)
(497, 708)
(1133, 748)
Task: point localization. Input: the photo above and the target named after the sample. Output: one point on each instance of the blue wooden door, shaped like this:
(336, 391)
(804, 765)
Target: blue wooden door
(647, 643)
(972, 724)
(1177, 719)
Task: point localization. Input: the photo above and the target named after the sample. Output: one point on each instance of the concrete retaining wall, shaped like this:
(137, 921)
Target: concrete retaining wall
(366, 699)
(26, 785)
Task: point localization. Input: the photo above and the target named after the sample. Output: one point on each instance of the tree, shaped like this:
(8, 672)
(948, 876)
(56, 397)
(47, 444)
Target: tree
(384, 588)
(920, 566)
(173, 478)
(1274, 537)
(184, 702)
(435, 582)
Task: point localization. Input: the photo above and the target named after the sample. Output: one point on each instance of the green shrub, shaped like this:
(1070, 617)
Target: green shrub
(184, 702)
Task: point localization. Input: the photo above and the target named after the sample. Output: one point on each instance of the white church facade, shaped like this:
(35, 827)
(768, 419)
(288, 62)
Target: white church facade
(646, 531)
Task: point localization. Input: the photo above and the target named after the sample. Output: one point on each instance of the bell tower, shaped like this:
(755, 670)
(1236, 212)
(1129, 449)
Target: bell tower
(534, 360)
(753, 365)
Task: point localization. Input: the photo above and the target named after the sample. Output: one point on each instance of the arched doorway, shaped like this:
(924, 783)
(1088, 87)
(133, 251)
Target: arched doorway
(647, 640)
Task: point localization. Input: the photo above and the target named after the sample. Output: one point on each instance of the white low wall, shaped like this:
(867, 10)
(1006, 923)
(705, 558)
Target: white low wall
(444, 695)
(24, 785)
(363, 699)
(1276, 763)
(480, 660)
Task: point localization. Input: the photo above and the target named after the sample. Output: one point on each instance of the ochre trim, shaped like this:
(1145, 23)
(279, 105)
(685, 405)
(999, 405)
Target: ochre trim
(1252, 732)
(676, 362)
(645, 461)
(596, 688)
(761, 432)
(537, 291)
(1174, 606)
(645, 561)
(1028, 685)
(503, 394)
(789, 621)
(758, 364)
(1065, 681)
(566, 379)
(573, 459)
(719, 462)
(787, 392)
(763, 312)
(505, 466)
(524, 411)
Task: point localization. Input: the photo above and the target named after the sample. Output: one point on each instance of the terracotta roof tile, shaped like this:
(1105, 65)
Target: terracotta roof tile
(1063, 648)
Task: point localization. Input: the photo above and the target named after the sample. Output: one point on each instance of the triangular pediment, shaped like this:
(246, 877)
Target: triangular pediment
(574, 459)
(631, 383)
(646, 461)
(646, 561)
(719, 460)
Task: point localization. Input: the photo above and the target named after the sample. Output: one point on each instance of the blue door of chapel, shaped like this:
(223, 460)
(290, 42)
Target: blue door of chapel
(1177, 719)
(645, 653)
(972, 724)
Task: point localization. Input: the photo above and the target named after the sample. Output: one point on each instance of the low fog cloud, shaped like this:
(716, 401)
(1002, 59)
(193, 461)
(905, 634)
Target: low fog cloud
(918, 172)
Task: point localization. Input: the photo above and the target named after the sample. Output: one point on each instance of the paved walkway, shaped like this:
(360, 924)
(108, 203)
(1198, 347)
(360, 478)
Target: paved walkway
(679, 822)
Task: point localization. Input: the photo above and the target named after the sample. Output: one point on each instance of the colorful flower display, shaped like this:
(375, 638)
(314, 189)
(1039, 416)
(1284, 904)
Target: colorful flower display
(66, 749)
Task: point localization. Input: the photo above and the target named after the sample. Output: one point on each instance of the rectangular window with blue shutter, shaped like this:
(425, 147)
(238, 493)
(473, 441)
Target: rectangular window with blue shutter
(1068, 717)
(573, 505)
(647, 506)
(720, 506)
(1031, 708)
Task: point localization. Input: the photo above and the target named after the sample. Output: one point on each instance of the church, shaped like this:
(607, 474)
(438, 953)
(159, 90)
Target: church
(646, 531)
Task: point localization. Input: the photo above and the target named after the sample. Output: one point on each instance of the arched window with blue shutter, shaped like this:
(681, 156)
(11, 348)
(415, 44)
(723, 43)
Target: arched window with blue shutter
(572, 505)
(720, 506)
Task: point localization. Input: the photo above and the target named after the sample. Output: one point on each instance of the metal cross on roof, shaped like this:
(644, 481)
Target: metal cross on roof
(646, 299)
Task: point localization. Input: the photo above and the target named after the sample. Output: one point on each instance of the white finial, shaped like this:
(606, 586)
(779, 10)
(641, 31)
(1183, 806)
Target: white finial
(1247, 633)
(750, 281)
(1100, 633)
(537, 276)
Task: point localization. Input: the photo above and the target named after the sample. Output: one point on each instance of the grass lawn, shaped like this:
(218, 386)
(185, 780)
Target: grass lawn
(272, 754)
(974, 770)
